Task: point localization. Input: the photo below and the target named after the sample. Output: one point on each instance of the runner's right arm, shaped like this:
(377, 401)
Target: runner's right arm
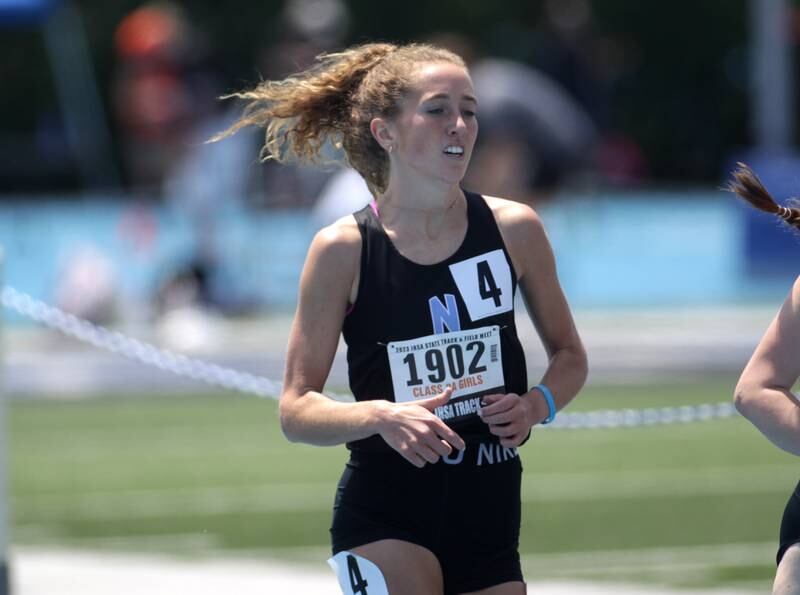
(326, 286)
(764, 392)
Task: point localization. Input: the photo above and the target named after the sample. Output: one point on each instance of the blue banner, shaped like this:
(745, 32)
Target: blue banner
(25, 12)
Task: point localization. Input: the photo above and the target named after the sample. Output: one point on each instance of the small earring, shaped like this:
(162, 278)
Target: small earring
(391, 148)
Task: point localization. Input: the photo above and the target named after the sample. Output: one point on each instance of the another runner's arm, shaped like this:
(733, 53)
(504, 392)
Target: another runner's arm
(535, 265)
(326, 285)
(763, 394)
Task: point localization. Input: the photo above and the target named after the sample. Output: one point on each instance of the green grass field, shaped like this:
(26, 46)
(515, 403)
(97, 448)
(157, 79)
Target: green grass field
(687, 505)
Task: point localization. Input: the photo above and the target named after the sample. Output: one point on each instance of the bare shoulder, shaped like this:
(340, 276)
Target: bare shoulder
(340, 239)
(519, 224)
(334, 256)
(792, 305)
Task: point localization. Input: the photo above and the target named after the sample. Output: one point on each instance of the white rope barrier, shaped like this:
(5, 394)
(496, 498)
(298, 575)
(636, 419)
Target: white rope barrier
(136, 350)
(223, 377)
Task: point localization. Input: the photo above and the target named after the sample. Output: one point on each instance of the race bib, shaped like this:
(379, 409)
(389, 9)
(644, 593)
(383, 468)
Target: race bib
(470, 361)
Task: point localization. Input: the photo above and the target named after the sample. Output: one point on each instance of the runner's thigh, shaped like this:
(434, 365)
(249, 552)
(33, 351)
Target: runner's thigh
(512, 588)
(408, 569)
(787, 579)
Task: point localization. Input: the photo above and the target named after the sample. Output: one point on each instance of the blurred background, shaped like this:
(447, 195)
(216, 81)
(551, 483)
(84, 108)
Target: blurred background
(619, 121)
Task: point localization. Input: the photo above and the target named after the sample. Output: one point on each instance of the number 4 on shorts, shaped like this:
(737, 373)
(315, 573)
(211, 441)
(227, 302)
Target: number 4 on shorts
(357, 575)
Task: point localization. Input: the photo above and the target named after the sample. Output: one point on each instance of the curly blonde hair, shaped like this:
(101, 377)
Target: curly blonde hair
(335, 100)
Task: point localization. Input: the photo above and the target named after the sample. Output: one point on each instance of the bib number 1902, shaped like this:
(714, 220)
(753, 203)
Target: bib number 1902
(438, 363)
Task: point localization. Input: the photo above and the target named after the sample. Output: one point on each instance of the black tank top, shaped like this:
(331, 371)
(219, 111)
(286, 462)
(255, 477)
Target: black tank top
(416, 328)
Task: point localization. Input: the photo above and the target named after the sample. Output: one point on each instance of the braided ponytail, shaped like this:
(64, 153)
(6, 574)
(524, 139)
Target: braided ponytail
(748, 186)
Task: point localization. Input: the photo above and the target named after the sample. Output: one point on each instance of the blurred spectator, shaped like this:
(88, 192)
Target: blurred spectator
(305, 29)
(212, 177)
(209, 180)
(163, 88)
(533, 138)
(563, 51)
(187, 286)
(568, 50)
(165, 100)
(87, 285)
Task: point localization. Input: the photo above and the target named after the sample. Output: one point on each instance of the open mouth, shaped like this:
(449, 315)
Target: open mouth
(454, 150)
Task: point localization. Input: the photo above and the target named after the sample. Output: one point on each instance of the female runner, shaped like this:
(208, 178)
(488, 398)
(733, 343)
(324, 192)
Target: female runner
(421, 284)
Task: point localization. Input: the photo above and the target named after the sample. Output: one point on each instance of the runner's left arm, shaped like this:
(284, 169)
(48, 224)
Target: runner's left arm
(512, 416)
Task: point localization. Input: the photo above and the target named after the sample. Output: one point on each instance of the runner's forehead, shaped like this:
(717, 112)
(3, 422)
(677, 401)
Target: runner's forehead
(443, 79)
(465, 97)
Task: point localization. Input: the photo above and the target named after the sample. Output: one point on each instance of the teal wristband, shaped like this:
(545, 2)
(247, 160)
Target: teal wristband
(551, 405)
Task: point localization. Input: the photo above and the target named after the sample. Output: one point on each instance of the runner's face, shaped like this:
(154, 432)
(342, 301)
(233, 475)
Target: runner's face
(437, 125)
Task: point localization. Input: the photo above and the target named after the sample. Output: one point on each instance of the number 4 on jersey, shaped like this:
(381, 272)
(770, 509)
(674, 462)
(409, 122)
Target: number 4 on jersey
(486, 284)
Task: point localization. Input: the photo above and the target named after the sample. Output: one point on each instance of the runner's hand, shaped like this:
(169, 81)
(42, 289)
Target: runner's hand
(415, 432)
(509, 416)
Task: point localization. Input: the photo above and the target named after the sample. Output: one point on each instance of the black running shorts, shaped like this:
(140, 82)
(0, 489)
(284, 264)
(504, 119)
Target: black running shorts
(790, 525)
(467, 514)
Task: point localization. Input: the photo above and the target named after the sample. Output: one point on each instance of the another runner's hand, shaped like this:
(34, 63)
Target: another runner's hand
(509, 416)
(415, 432)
